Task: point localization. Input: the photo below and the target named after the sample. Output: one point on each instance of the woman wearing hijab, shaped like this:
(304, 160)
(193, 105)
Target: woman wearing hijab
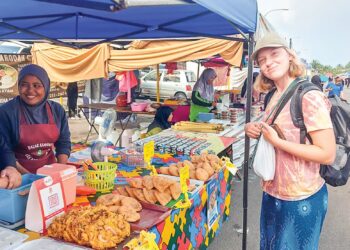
(203, 99)
(162, 120)
(34, 126)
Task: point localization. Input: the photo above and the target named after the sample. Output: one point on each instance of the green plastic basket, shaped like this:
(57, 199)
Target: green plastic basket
(103, 178)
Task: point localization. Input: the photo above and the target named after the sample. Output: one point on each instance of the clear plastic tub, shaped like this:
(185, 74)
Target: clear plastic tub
(9, 239)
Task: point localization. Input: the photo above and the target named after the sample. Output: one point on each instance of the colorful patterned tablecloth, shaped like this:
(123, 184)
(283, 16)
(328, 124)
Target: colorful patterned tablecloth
(184, 228)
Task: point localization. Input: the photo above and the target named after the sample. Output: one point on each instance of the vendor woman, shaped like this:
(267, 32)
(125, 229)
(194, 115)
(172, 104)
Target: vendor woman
(203, 98)
(162, 120)
(34, 126)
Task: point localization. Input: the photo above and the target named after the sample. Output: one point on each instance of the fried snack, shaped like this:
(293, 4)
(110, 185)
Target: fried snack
(131, 202)
(129, 213)
(195, 158)
(163, 198)
(206, 166)
(201, 174)
(96, 227)
(164, 170)
(180, 164)
(149, 196)
(135, 183)
(139, 194)
(193, 174)
(108, 199)
(161, 183)
(130, 192)
(121, 191)
(188, 163)
(174, 171)
(212, 157)
(113, 209)
(175, 190)
(147, 182)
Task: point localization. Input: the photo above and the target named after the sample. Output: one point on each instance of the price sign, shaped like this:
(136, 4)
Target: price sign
(148, 151)
(184, 182)
(229, 165)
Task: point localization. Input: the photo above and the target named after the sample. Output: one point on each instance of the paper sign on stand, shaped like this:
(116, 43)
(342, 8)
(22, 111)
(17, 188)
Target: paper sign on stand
(184, 182)
(148, 154)
(212, 204)
(46, 200)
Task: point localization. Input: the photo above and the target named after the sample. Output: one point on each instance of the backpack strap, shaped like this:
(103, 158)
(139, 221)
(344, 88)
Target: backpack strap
(296, 109)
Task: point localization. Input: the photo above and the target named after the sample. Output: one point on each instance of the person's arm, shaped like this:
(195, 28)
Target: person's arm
(62, 158)
(198, 100)
(7, 166)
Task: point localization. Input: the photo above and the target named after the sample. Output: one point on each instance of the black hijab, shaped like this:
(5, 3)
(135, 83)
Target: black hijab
(161, 118)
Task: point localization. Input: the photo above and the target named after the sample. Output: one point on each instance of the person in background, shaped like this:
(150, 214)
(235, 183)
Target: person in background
(203, 96)
(72, 99)
(32, 125)
(162, 120)
(294, 203)
(316, 79)
(335, 88)
(9, 176)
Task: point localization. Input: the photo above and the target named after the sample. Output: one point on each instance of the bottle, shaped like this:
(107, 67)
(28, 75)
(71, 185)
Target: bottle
(341, 156)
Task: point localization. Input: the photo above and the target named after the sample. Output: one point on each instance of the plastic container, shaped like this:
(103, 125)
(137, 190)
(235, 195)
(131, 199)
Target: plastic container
(103, 178)
(14, 201)
(138, 106)
(132, 158)
(126, 138)
(69, 178)
(121, 99)
(205, 117)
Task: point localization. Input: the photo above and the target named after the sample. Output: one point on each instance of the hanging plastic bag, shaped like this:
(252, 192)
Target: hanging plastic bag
(264, 160)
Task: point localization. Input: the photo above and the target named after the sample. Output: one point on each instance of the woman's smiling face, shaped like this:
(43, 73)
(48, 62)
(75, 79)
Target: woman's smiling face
(31, 90)
(274, 62)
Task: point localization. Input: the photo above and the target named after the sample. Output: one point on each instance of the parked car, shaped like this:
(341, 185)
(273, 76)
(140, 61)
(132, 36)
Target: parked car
(178, 84)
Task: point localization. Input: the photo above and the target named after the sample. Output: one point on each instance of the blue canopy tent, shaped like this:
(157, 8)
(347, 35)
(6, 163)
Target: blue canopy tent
(67, 22)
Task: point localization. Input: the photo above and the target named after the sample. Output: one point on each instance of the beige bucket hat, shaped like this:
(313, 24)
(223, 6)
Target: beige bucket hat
(269, 40)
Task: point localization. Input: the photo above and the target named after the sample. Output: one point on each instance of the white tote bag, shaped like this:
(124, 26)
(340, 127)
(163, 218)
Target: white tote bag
(264, 160)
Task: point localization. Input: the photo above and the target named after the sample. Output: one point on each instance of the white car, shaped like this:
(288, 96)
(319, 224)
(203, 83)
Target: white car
(178, 84)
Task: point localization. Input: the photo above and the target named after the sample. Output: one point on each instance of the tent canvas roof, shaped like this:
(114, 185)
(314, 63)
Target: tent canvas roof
(57, 19)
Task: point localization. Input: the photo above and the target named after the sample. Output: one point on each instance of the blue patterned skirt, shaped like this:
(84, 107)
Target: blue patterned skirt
(292, 225)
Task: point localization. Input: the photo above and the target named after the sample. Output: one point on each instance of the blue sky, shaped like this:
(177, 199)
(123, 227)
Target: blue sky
(320, 29)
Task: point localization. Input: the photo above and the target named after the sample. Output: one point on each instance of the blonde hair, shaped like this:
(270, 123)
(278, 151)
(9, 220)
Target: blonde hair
(296, 69)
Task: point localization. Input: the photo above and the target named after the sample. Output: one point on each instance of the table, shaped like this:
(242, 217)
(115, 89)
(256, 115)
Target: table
(184, 228)
(105, 106)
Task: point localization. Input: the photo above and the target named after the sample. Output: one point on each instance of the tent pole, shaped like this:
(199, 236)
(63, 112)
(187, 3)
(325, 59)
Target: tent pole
(247, 140)
(158, 83)
(198, 67)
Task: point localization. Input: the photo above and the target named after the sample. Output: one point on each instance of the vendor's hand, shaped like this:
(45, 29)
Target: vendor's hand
(217, 96)
(15, 178)
(214, 104)
(269, 133)
(252, 130)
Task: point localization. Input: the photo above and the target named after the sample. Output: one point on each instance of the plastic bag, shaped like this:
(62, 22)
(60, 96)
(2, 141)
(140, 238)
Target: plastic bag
(264, 160)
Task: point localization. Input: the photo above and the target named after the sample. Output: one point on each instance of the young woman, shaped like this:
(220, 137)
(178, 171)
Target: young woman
(203, 98)
(294, 203)
(34, 126)
(162, 120)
